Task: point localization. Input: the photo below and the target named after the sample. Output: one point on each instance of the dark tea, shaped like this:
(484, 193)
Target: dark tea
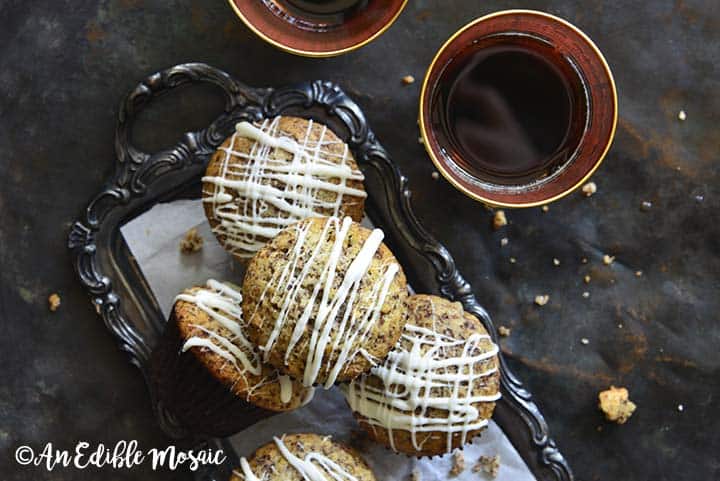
(510, 109)
(319, 13)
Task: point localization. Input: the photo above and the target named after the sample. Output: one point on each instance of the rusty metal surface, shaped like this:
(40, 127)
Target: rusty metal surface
(66, 65)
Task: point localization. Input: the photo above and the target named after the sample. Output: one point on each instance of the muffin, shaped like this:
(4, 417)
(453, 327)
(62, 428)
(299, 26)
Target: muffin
(436, 389)
(271, 174)
(299, 457)
(324, 300)
(206, 372)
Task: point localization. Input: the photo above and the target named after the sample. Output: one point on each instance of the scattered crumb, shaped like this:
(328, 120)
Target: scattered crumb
(585, 341)
(504, 331)
(586, 294)
(499, 219)
(192, 242)
(616, 404)
(545, 208)
(589, 189)
(542, 300)
(53, 302)
(513, 260)
(435, 175)
(420, 140)
(599, 429)
(682, 115)
(638, 273)
(620, 326)
(607, 260)
(646, 205)
(504, 241)
(458, 463)
(556, 261)
(681, 408)
(587, 279)
(408, 79)
(584, 260)
(489, 465)
(415, 476)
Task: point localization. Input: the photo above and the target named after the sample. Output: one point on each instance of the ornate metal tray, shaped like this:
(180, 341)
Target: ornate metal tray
(125, 302)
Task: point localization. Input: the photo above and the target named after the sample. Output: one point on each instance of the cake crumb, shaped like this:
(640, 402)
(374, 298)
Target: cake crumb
(53, 302)
(542, 300)
(458, 463)
(589, 189)
(584, 260)
(192, 242)
(408, 79)
(545, 208)
(489, 465)
(585, 341)
(616, 404)
(638, 273)
(504, 331)
(682, 116)
(504, 241)
(415, 475)
(681, 408)
(499, 219)
(513, 260)
(556, 261)
(586, 294)
(587, 279)
(607, 259)
(420, 140)
(435, 175)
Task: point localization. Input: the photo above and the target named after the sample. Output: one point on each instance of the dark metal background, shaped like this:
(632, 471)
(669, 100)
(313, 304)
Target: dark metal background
(66, 63)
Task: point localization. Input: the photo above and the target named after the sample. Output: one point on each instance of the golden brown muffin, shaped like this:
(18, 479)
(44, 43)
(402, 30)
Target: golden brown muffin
(444, 366)
(210, 321)
(324, 297)
(271, 174)
(297, 457)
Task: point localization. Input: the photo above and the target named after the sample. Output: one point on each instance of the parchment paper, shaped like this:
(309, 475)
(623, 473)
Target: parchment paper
(154, 239)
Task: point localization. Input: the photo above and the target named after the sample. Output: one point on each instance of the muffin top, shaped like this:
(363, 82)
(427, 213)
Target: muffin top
(210, 322)
(271, 174)
(300, 457)
(436, 389)
(324, 300)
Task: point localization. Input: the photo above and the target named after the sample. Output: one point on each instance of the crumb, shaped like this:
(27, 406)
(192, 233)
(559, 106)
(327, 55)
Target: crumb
(435, 175)
(504, 241)
(53, 302)
(408, 79)
(586, 294)
(587, 279)
(681, 408)
(192, 242)
(599, 429)
(545, 208)
(589, 189)
(682, 115)
(620, 326)
(504, 331)
(638, 273)
(420, 140)
(585, 341)
(542, 300)
(499, 219)
(616, 404)
(513, 260)
(415, 476)
(556, 261)
(489, 465)
(607, 260)
(646, 205)
(584, 260)
(458, 463)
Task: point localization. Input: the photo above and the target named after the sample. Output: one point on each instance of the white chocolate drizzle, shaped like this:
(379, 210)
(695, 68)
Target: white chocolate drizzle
(255, 199)
(223, 304)
(339, 322)
(313, 467)
(426, 370)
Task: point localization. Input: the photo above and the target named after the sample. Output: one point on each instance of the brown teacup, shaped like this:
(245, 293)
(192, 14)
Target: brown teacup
(318, 28)
(518, 108)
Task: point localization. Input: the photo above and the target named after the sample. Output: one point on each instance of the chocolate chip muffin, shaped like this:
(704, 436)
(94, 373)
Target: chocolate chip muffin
(271, 174)
(324, 299)
(298, 457)
(207, 373)
(437, 388)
